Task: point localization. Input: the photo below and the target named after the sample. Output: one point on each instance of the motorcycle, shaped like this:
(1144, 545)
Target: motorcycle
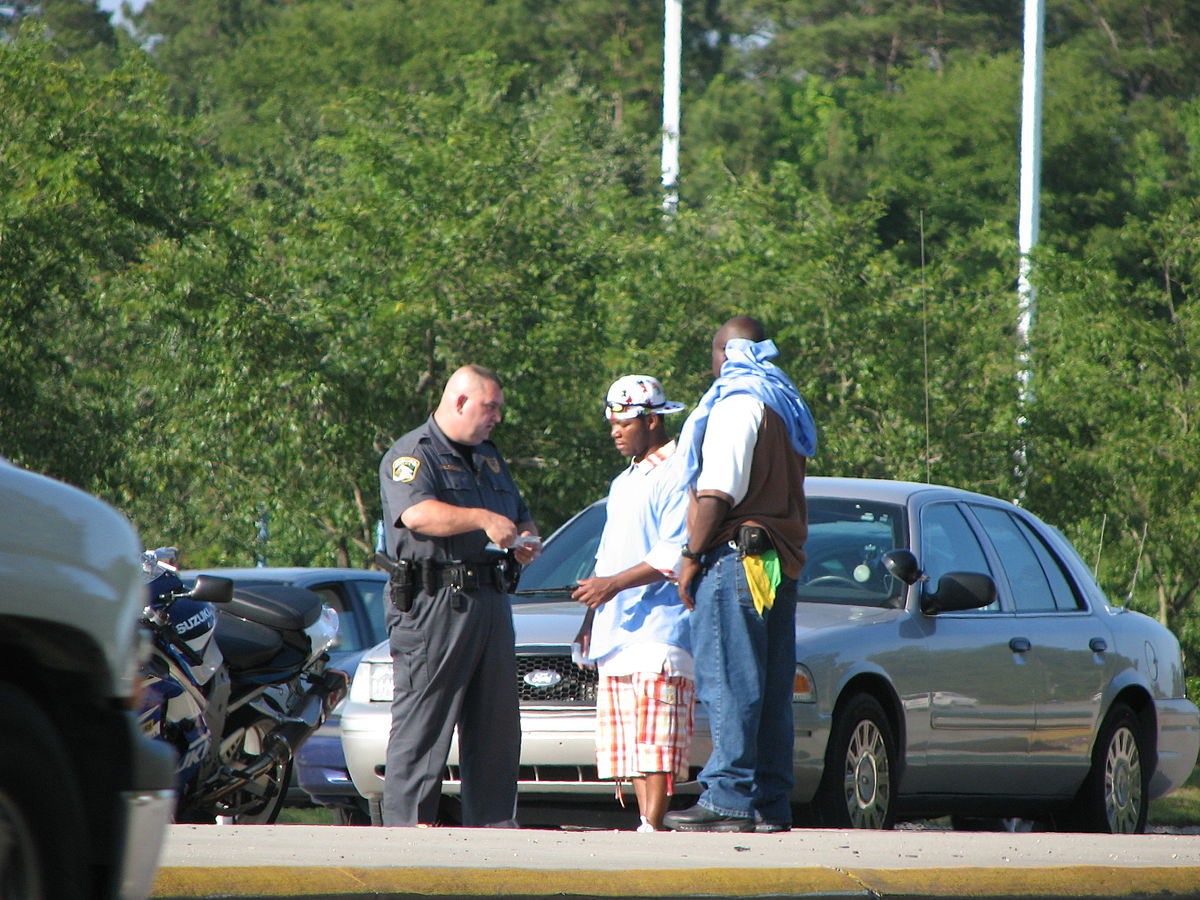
(235, 681)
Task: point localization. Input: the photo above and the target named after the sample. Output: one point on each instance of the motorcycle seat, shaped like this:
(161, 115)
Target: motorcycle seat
(246, 645)
(280, 606)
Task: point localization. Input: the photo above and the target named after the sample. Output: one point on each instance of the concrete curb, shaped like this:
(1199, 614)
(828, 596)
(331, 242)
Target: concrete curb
(254, 882)
(263, 862)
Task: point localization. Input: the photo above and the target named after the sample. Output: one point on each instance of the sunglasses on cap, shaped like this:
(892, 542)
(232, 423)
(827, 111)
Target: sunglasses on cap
(618, 408)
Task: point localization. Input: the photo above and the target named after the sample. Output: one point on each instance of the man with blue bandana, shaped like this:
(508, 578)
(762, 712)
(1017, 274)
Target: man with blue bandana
(744, 450)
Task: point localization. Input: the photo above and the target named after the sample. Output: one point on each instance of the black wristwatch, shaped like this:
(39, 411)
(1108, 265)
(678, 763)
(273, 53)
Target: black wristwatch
(688, 554)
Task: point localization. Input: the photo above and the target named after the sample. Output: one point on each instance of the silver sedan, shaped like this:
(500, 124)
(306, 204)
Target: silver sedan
(956, 657)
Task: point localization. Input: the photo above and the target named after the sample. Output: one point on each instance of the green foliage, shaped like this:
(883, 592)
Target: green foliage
(870, 40)
(92, 170)
(240, 254)
(70, 29)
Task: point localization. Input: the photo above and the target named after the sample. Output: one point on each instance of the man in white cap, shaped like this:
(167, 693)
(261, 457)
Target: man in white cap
(636, 630)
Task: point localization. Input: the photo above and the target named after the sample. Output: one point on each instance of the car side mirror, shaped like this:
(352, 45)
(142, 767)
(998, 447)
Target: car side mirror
(902, 564)
(212, 589)
(957, 591)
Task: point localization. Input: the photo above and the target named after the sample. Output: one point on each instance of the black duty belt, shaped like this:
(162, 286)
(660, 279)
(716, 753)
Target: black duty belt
(458, 575)
(409, 577)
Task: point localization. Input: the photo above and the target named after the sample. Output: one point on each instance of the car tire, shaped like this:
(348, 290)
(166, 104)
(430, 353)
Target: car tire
(1115, 796)
(44, 850)
(858, 787)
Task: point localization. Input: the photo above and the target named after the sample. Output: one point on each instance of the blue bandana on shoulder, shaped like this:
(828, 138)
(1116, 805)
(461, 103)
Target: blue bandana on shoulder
(747, 371)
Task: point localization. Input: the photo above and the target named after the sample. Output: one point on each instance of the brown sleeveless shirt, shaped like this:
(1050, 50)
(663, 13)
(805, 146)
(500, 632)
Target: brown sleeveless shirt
(775, 497)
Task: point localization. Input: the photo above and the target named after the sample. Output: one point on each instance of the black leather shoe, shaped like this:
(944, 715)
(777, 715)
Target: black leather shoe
(771, 827)
(700, 819)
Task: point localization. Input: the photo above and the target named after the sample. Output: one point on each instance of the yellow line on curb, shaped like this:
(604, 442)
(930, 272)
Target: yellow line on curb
(300, 881)
(185, 883)
(1027, 882)
(256, 881)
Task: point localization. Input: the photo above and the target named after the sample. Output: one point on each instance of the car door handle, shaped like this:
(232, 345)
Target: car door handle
(1098, 645)
(1020, 645)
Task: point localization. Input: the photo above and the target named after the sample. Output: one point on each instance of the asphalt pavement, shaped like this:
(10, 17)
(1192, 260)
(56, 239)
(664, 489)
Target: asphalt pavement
(325, 861)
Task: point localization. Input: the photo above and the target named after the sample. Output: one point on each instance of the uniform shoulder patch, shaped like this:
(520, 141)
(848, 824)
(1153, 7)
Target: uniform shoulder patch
(493, 463)
(405, 468)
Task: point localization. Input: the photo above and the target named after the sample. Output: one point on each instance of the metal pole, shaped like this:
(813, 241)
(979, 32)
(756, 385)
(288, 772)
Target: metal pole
(1027, 225)
(672, 51)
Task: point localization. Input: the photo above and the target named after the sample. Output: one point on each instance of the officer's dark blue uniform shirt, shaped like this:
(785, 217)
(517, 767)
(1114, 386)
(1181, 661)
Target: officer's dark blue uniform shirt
(424, 465)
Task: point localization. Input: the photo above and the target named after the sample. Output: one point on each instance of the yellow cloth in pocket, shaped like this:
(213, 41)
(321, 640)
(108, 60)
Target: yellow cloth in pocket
(763, 575)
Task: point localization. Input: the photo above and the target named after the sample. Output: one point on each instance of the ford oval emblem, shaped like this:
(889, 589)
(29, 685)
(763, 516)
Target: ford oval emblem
(543, 678)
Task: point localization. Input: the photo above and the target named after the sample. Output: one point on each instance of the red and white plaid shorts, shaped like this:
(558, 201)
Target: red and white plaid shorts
(644, 725)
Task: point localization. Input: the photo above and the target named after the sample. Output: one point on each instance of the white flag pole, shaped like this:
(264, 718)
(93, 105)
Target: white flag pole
(672, 51)
(1027, 225)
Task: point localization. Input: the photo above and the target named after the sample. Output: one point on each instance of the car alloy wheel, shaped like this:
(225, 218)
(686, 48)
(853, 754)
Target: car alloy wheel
(1123, 797)
(867, 777)
(1113, 798)
(856, 786)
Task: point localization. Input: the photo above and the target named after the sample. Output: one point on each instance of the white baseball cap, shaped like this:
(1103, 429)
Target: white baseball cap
(638, 395)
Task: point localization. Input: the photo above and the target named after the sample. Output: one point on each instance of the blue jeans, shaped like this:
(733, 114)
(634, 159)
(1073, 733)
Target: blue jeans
(745, 667)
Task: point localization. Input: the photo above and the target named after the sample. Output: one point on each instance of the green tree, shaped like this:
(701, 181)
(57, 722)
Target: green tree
(786, 38)
(1115, 424)
(93, 169)
(74, 29)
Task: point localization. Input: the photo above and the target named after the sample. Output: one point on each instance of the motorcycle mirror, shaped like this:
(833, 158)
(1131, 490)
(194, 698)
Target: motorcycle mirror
(212, 589)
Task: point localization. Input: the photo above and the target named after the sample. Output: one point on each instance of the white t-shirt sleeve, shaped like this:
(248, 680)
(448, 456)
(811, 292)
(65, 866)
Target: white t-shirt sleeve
(728, 447)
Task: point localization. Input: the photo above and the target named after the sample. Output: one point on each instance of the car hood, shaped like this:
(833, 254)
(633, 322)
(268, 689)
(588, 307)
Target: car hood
(816, 622)
(547, 623)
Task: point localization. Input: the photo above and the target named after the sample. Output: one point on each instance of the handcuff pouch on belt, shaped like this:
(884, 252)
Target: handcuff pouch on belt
(753, 540)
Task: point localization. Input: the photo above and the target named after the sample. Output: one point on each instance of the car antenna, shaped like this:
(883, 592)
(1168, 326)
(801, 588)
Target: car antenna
(925, 342)
(1100, 547)
(1137, 567)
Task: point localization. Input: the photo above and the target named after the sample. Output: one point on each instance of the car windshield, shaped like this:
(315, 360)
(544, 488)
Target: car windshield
(845, 547)
(846, 543)
(569, 554)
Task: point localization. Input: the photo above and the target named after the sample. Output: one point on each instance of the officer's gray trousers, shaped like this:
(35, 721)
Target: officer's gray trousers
(453, 666)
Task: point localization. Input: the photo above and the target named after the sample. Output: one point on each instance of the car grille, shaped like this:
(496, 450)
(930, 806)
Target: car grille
(553, 677)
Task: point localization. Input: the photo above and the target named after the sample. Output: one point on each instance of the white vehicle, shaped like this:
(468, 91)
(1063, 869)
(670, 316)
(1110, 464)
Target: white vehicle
(84, 798)
(955, 657)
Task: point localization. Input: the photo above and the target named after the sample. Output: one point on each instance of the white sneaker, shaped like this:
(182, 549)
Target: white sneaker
(645, 826)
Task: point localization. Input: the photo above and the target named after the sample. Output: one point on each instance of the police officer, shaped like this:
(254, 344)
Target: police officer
(451, 510)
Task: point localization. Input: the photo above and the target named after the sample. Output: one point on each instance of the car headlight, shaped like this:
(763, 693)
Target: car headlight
(379, 682)
(804, 689)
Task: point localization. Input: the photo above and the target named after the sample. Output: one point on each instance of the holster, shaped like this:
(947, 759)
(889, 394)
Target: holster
(402, 586)
(753, 540)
